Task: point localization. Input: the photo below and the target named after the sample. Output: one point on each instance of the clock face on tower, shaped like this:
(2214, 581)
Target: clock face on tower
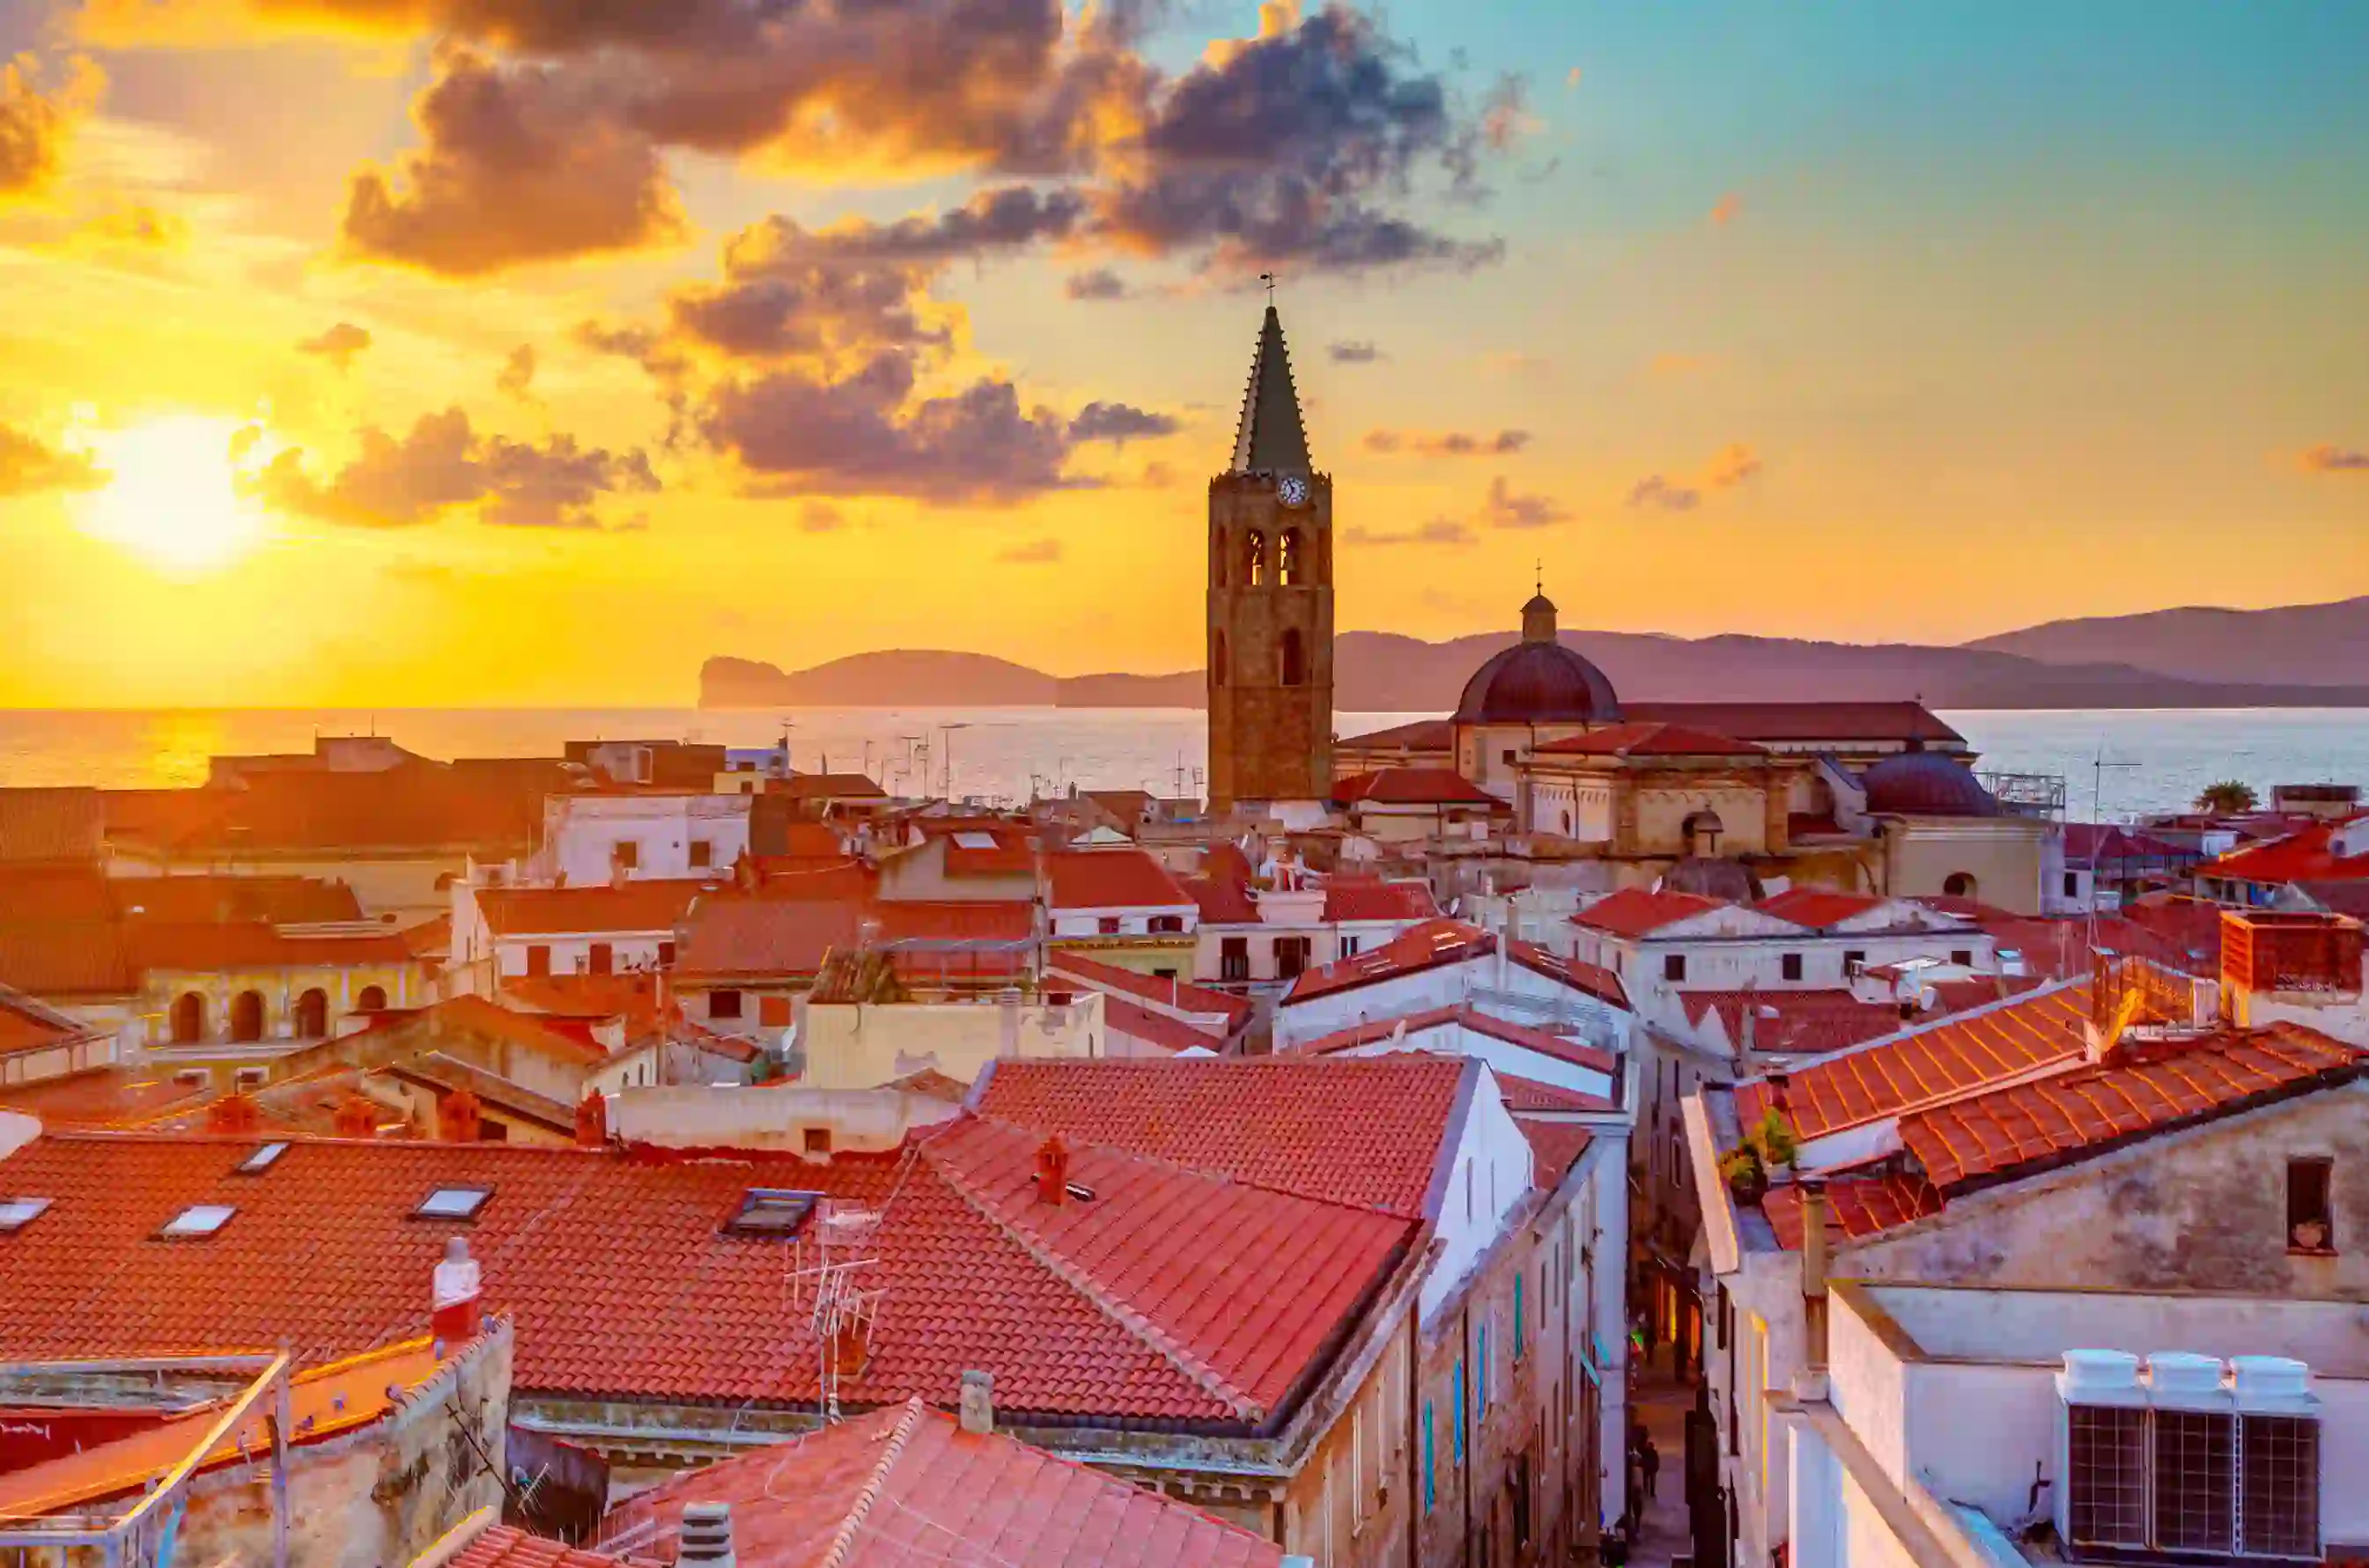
(1293, 491)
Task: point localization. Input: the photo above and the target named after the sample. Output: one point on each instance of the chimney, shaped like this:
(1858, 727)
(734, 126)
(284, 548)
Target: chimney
(1813, 1267)
(1052, 1170)
(453, 1295)
(707, 1536)
(233, 1113)
(355, 1118)
(977, 1407)
(457, 1118)
(593, 1120)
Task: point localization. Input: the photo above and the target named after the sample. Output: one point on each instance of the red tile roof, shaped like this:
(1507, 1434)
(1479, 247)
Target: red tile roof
(104, 1096)
(1111, 878)
(1157, 1028)
(1816, 908)
(1856, 1207)
(1959, 1056)
(2299, 856)
(414, 807)
(1594, 978)
(59, 824)
(1414, 787)
(1373, 1133)
(1128, 1307)
(821, 881)
(562, 1036)
(633, 997)
(1419, 948)
(1840, 723)
(1177, 995)
(1650, 738)
(655, 904)
(1370, 898)
(51, 895)
(82, 959)
(1561, 1048)
(194, 900)
(1222, 902)
(208, 947)
(1528, 1094)
(500, 1546)
(905, 1484)
(1640, 912)
(827, 787)
(758, 936)
(1797, 1022)
(2143, 1088)
(1555, 1147)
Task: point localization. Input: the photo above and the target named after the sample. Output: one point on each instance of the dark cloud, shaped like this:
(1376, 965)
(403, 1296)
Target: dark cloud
(1662, 494)
(35, 126)
(1439, 530)
(443, 466)
(1008, 217)
(1353, 353)
(338, 344)
(1507, 509)
(2329, 458)
(518, 167)
(516, 378)
(866, 434)
(1036, 553)
(1102, 283)
(1446, 443)
(28, 466)
(1120, 422)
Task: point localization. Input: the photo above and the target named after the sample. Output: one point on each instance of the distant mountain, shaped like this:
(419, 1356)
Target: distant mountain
(2324, 644)
(1380, 672)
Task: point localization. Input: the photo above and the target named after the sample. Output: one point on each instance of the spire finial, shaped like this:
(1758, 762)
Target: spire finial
(1540, 586)
(1268, 279)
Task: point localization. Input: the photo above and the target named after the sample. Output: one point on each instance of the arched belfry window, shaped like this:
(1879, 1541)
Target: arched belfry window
(1254, 560)
(1217, 658)
(1290, 562)
(1295, 658)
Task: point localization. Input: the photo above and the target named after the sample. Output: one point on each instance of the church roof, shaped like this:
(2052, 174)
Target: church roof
(1270, 438)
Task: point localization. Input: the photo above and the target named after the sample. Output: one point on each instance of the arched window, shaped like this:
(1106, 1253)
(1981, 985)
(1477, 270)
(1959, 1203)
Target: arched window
(1290, 562)
(313, 1014)
(189, 1018)
(1217, 658)
(246, 1018)
(1702, 831)
(1958, 884)
(1254, 560)
(371, 1000)
(1295, 658)
(1566, 825)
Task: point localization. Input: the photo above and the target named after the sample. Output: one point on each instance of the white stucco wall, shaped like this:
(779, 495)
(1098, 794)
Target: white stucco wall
(581, 833)
(1488, 1178)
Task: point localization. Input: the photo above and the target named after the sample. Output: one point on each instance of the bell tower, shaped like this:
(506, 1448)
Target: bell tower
(1270, 655)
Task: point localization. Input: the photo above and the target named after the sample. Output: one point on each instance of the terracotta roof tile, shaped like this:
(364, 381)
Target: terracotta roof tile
(67, 960)
(1528, 1094)
(655, 904)
(827, 787)
(2143, 1088)
(758, 936)
(1222, 902)
(1640, 912)
(1837, 722)
(1857, 1207)
(1650, 738)
(1555, 1147)
(1371, 898)
(1945, 1061)
(500, 1546)
(1794, 1023)
(1414, 787)
(1157, 1028)
(1419, 948)
(104, 1096)
(905, 1484)
(1363, 1133)
(205, 948)
(1463, 1014)
(62, 824)
(229, 899)
(1178, 995)
(2299, 856)
(1816, 908)
(1111, 878)
(1594, 978)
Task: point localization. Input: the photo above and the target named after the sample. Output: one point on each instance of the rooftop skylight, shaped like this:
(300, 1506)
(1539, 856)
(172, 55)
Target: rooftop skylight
(197, 1219)
(16, 1213)
(975, 840)
(452, 1203)
(261, 1160)
(771, 1211)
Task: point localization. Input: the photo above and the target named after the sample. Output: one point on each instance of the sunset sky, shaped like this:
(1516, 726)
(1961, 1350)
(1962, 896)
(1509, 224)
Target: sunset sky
(453, 352)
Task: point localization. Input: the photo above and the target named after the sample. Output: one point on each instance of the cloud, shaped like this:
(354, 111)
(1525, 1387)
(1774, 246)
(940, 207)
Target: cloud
(518, 167)
(29, 467)
(138, 227)
(1439, 530)
(1505, 508)
(1036, 553)
(1101, 283)
(517, 377)
(1514, 362)
(1505, 117)
(36, 127)
(2331, 458)
(1446, 443)
(443, 467)
(338, 346)
(1356, 352)
(1655, 492)
(1120, 422)
(1725, 211)
(820, 517)
(1732, 466)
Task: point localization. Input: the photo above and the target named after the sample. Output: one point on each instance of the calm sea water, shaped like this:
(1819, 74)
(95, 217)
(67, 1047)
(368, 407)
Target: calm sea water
(999, 752)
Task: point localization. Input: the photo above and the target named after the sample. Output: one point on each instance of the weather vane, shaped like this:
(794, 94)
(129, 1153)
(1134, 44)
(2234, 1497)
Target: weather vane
(1268, 279)
(1542, 574)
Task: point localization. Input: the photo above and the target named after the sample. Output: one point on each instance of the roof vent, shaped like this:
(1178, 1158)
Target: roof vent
(707, 1538)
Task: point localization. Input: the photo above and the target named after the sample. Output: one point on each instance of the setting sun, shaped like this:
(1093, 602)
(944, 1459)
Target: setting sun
(172, 494)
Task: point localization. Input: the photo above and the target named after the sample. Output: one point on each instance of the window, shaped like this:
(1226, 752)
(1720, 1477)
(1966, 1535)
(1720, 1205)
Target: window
(1349, 946)
(626, 854)
(817, 1140)
(1164, 973)
(1291, 957)
(16, 1213)
(2195, 1456)
(1288, 568)
(1962, 956)
(538, 961)
(2279, 1495)
(246, 1018)
(452, 1203)
(198, 1221)
(312, 1013)
(770, 1211)
(1958, 884)
(724, 1004)
(1430, 1462)
(1254, 560)
(2072, 884)
(1234, 957)
(1294, 660)
(774, 1012)
(247, 1078)
(2310, 1220)
(1507, 757)
(189, 1018)
(602, 959)
(666, 955)
(2106, 1447)
(1167, 924)
(372, 999)
(1107, 925)
(260, 1161)
(1519, 1332)
(1854, 960)
(1456, 1397)
(702, 853)
(1674, 967)
(1790, 966)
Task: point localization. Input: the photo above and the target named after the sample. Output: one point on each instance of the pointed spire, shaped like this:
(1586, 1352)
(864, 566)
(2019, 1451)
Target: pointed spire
(1270, 438)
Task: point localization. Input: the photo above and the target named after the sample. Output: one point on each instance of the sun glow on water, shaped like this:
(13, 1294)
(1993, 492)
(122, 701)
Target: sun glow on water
(172, 495)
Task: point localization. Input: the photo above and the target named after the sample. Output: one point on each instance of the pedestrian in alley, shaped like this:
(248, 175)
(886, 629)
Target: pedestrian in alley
(1649, 1465)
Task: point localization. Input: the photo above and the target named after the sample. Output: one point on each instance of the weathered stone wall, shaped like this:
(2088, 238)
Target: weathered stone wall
(1268, 741)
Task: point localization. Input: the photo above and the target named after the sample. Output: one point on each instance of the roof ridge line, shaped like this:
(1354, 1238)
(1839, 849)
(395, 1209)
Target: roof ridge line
(873, 1484)
(1207, 1378)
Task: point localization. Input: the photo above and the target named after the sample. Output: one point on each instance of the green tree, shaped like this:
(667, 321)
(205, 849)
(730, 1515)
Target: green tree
(2228, 797)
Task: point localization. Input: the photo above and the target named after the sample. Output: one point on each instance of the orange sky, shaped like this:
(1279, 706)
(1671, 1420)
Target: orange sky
(461, 352)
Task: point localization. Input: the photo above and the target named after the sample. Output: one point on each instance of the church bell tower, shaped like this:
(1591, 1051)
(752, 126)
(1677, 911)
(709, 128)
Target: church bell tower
(1270, 655)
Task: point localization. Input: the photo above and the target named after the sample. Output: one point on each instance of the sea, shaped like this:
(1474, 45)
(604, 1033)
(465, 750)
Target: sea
(2115, 764)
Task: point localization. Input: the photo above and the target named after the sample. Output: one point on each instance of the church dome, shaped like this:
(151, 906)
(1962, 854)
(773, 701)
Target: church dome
(1926, 784)
(1538, 681)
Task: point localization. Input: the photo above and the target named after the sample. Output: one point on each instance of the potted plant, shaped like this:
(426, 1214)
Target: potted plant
(1770, 1142)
